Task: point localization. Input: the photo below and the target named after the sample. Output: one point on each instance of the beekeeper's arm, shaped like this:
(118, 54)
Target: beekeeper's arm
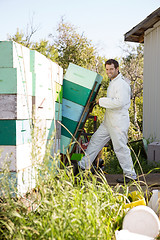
(121, 98)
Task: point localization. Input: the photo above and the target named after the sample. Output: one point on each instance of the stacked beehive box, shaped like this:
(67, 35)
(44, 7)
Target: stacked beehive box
(78, 83)
(30, 106)
(47, 103)
(16, 112)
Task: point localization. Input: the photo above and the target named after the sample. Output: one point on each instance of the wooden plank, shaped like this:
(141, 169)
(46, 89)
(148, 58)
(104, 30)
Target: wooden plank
(14, 106)
(39, 83)
(39, 107)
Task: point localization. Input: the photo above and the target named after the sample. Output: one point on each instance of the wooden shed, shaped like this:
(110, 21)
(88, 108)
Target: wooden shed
(148, 32)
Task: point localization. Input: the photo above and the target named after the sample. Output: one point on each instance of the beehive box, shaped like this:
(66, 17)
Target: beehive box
(13, 106)
(78, 83)
(16, 157)
(18, 182)
(14, 55)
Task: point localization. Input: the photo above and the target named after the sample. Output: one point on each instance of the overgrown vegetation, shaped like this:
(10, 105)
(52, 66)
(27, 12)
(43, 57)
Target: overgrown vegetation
(64, 207)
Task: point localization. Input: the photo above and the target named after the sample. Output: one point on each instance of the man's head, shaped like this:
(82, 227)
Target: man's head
(112, 68)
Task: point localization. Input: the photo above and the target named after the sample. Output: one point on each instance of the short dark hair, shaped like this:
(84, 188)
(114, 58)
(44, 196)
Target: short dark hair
(112, 61)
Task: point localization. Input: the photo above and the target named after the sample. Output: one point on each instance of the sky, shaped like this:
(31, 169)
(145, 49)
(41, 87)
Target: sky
(103, 22)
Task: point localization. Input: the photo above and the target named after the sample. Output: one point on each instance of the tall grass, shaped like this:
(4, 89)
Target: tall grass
(64, 207)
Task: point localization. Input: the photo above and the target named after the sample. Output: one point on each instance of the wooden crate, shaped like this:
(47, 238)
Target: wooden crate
(46, 108)
(13, 106)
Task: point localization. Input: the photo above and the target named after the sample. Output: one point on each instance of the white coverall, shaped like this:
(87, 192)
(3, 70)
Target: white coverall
(115, 127)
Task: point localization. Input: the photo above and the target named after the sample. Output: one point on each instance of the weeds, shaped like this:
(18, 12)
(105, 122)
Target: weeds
(63, 206)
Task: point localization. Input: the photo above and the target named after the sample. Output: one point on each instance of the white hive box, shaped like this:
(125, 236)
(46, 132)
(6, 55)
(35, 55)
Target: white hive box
(56, 73)
(17, 157)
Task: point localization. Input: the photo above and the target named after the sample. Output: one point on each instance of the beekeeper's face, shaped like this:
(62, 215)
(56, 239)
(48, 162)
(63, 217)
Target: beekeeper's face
(111, 71)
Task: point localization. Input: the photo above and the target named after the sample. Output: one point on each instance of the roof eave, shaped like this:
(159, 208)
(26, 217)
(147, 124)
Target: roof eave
(136, 34)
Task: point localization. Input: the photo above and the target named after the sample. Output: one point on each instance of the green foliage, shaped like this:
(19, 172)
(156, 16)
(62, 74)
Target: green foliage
(47, 49)
(75, 48)
(64, 207)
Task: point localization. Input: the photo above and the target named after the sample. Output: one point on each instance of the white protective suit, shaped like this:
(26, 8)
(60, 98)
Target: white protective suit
(115, 127)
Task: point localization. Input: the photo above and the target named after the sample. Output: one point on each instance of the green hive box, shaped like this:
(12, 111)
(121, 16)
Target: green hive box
(77, 87)
(82, 76)
(75, 92)
(14, 132)
(14, 55)
(13, 81)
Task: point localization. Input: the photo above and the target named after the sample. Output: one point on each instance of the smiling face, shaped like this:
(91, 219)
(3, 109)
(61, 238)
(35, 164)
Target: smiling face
(111, 71)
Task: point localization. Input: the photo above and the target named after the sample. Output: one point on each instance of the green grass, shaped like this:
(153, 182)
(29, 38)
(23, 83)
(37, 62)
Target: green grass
(139, 158)
(64, 207)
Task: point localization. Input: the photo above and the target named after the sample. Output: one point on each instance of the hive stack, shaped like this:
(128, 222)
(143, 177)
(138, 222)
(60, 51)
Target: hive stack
(78, 83)
(16, 112)
(30, 106)
(47, 103)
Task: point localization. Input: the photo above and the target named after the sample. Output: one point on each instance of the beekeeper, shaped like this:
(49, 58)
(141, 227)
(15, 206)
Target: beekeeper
(115, 125)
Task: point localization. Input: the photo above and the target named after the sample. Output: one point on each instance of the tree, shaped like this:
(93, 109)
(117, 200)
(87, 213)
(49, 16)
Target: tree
(75, 48)
(132, 68)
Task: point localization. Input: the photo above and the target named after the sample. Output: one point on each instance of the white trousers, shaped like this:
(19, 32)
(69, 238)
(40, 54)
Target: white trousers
(119, 140)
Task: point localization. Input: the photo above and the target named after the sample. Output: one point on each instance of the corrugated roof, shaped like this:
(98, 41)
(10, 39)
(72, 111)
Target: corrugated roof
(136, 34)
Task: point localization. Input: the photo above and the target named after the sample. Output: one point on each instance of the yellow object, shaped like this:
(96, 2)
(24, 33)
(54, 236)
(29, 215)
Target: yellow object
(137, 200)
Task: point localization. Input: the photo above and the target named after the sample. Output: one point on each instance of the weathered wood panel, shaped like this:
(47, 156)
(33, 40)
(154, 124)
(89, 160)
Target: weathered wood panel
(14, 106)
